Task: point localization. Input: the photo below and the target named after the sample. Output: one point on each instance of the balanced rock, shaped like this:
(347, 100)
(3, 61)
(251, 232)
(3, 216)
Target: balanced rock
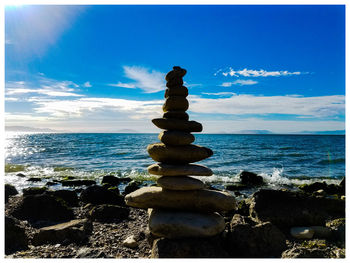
(179, 170)
(175, 103)
(174, 83)
(176, 73)
(178, 125)
(180, 183)
(176, 138)
(180, 115)
(176, 91)
(196, 200)
(178, 154)
(179, 224)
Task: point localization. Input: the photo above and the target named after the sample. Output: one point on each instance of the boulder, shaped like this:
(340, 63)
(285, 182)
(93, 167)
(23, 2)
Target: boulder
(178, 154)
(175, 103)
(180, 183)
(180, 224)
(74, 231)
(34, 190)
(302, 232)
(178, 125)
(251, 179)
(248, 238)
(100, 195)
(110, 179)
(109, 213)
(211, 247)
(15, 236)
(77, 182)
(176, 91)
(176, 73)
(43, 207)
(286, 209)
(196, 200)
(9, 191)
(180, 115)
(131, 187)
(176, 137)
(179, 170)
(70, 197)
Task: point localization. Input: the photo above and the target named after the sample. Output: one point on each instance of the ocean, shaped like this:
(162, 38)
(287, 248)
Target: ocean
(282, 160)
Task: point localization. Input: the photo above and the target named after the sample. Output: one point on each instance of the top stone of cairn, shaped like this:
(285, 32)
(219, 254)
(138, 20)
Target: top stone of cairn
(175, 74)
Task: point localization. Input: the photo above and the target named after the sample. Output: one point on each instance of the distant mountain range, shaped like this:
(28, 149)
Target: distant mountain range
(337, 132)
(28, 129)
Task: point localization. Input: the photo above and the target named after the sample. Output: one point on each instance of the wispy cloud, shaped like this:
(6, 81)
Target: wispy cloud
(258, 73)
(241, 82)
(150, 81)
(87, 84)
(219, 93)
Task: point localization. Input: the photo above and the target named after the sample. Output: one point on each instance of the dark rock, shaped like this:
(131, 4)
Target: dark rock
(70, 197)
(131, 187)
(176, 137)
(180, 115)
(176, 73)
(302, 252)
(175, 83)
(235, 187)
(243, 207)
(175, 103)
(51, 183)
(176, 91)
(249, 178)
(286, 209)
(109, 213)
(34, 179)
(329, 189)
(100, 195)
(189, 248)
(9, 191)
(74, 231)
(15, 236)
(34, 190)
(338, 231)
(43, 207)
(248, 238)
(77, 182)
(178, 125)
(20, 175)
(110, 179)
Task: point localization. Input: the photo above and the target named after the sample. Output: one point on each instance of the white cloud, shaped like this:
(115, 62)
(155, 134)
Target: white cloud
(87, 84)
(219, 93)
(318, 107)
(259, 73)
(149, 81)
(241, 82)
(123, 85)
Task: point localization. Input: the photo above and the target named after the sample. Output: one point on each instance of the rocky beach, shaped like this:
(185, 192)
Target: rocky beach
(176, 214)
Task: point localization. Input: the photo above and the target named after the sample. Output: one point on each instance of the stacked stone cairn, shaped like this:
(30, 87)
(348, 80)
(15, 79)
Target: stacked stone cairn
(180, 206)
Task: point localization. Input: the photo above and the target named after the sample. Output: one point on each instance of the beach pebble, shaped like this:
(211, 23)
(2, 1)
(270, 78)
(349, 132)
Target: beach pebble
(178, 224)
(178, 154)
(196, 200)
(180, 183)
(176, 137)
(179, 170)
(302, 232)
(178, 125)
(130, 242)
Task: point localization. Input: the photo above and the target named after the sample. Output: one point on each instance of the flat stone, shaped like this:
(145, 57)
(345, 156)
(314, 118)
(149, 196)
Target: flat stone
(178, 125)
(179, 170)
(196, 200)
(176, 73)
(179, 224)
(175, 103)
(180, 115)
(302, 232)
(176, 137)
(178, 154)
(176, 91)
(183, 183)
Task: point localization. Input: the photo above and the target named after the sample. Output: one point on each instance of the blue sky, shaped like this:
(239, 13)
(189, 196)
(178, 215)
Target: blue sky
(102, 68)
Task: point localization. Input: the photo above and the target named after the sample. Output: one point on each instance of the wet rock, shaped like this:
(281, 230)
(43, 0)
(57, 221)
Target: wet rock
(109, 213)
(70, 197)
(100, 195)
(248, 238)
(20, 175)
(131, 187)
(34, 179)
(9, 191)
(178, 125)
(34, 190)
(43, 207)
(302, 232)
(189, 248)
(178, 154)
(251, 179)
(112, 180)
(329, 189)
(196, 200)
(15, 236)
(179, 170)
(286, 209)
(74, 231)
(178, 224)
(77, 182)
(176, 137)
